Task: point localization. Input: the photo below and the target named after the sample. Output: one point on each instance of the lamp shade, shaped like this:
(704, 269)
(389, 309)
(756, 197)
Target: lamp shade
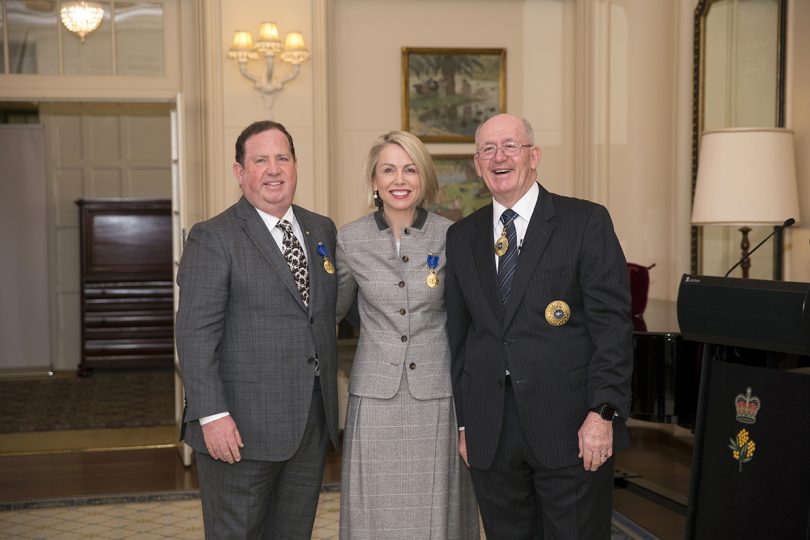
(269, 41)
(295, 52)
(268, 31)
(242, 41)
(746, 176)
(242, 47)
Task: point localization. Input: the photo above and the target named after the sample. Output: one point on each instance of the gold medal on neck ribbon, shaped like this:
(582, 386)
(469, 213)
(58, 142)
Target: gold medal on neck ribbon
(502, 244)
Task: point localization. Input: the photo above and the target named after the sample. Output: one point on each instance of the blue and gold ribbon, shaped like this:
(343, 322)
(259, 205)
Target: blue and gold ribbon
(432, 263)
(327, 264)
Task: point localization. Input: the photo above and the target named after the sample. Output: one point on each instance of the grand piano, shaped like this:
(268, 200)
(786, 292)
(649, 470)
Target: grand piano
(666, 379)
(666, 371)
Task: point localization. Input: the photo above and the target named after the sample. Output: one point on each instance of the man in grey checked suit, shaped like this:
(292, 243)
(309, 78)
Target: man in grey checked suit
(255, 335)
(541, 340)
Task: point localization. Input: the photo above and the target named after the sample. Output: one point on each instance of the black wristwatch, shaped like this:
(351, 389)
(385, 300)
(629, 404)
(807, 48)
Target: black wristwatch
(606, 411)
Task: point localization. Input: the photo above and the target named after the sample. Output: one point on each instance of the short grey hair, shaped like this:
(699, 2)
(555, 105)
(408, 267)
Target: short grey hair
(526, 127)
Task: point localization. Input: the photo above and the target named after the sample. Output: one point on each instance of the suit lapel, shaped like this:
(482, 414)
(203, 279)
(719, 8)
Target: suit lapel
(537, 236)
(484, 260)
(257, 231)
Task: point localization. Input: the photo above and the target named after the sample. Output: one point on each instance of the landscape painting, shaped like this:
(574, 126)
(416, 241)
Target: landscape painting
(447, 93)
(461, 191)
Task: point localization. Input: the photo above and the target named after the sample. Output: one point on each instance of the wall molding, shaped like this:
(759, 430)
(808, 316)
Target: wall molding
(322, 60)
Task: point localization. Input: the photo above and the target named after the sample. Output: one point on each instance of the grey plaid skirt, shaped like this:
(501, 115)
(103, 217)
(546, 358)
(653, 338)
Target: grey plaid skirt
(402, 477)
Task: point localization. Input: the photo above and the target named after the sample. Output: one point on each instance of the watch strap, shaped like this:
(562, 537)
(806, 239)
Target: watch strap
(606, 411)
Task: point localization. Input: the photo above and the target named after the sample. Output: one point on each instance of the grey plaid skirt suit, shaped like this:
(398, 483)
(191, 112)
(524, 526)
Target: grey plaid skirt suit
(401, 473)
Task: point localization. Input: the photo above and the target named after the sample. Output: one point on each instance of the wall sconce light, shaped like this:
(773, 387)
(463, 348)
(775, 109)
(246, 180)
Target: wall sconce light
(81, 17)
(269, 44)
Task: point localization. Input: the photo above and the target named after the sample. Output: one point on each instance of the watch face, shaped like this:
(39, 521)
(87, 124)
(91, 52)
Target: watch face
(607, 412)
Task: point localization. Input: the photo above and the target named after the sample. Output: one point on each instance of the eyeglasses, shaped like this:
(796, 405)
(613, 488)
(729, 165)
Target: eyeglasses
(508, 149)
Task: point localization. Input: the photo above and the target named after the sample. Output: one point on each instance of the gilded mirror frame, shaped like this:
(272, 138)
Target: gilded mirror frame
(698, 80)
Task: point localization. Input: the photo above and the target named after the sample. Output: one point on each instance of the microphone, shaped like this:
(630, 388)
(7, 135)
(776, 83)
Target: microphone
(788, 223)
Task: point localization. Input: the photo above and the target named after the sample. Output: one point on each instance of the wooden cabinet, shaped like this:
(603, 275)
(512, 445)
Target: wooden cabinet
(127, 317)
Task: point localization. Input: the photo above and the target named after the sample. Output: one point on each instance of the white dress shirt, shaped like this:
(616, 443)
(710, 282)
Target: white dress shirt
(524, 208)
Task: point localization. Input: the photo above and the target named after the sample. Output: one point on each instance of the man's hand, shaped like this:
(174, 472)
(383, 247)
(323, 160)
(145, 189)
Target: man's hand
(462, 447)
(222, 439)
(595, 441)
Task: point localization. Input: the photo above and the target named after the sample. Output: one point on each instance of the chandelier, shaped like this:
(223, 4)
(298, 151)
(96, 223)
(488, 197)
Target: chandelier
(81, 17)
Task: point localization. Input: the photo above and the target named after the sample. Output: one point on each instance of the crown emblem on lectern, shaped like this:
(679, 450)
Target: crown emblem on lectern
(747, 407)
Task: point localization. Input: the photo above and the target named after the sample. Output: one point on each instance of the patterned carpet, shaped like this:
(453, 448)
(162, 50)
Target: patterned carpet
(107, 399)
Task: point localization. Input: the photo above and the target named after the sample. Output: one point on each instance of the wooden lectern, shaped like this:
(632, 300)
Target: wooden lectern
(751, 460)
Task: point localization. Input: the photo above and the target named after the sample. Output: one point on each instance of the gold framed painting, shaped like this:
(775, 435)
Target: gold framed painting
(447, 93)
(461, 191)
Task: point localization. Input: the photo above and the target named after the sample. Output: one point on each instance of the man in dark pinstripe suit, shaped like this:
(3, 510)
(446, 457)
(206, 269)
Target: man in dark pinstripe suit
(538, 313)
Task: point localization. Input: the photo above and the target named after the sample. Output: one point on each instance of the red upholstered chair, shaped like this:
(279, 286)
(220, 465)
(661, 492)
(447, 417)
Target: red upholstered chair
(639, 287)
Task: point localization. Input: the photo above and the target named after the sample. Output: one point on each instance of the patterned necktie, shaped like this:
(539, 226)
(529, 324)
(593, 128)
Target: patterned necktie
(296, 259)
(508, 261)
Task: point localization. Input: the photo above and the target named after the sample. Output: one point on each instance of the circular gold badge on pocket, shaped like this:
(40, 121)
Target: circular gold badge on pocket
(557, 313)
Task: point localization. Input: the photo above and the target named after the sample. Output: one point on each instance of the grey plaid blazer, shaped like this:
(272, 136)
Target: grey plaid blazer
(403, 321)
(244, 338)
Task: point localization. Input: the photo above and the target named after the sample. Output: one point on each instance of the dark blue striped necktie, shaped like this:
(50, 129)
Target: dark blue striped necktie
(508, 261)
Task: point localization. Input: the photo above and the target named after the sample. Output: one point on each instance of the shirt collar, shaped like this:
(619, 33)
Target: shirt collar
(524, 207)
(272, 221)
(418, 219)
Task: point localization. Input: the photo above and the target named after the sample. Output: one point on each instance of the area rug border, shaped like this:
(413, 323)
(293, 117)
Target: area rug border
(120, 498)
(64, 502)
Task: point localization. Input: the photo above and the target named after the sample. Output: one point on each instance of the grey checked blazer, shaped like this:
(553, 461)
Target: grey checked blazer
(403, 321)
(244, 338)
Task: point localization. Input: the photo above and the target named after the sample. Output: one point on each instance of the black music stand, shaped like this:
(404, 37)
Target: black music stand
(752, 330)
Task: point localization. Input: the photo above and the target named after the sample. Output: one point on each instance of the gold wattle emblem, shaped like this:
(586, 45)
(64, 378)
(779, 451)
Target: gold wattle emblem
(557, 313)
(742, 448)
(432, 279)
(502, 244)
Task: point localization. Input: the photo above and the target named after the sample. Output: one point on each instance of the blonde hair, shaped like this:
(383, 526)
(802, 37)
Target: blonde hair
(417, 152)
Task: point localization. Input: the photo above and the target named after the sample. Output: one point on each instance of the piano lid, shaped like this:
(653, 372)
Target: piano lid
(753, 313)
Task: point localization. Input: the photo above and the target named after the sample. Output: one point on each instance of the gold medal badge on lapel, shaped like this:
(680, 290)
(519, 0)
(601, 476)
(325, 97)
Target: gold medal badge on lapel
(557, 313)
(432, 279)
(327, 264)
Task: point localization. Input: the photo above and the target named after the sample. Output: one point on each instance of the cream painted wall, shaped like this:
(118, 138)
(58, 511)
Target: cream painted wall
(642, 119)
(540, 85)
(368, 37)
(603, 100)
(606, 83)
(243, 105)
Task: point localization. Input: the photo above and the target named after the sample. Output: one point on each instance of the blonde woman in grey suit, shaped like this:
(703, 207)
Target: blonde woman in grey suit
(402, 476)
